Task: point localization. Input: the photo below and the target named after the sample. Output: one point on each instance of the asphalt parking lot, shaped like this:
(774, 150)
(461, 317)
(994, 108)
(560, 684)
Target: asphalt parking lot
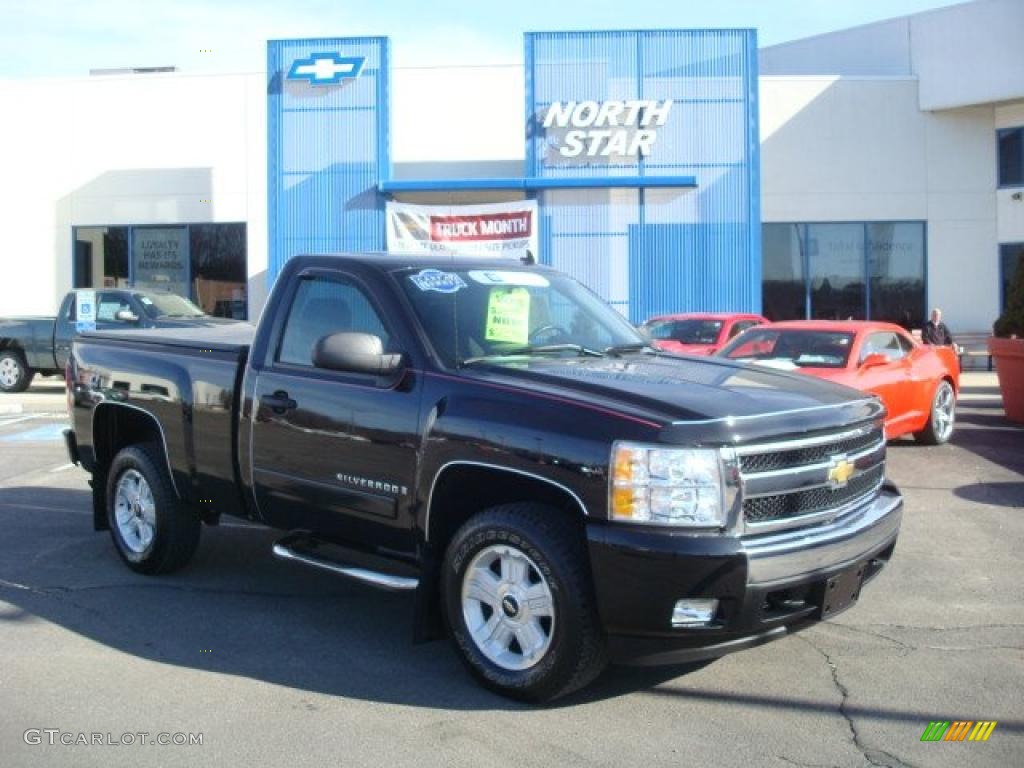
(279, 665)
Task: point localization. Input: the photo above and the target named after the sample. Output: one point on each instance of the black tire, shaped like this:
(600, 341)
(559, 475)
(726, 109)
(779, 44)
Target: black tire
(175, 535)
(554, 542)
(17, 375)
(936, 432)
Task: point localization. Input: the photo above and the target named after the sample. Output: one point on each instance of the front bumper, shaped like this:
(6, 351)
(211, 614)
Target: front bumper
(766, 586)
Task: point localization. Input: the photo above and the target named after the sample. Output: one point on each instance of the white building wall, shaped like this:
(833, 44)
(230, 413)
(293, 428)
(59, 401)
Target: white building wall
(878, 49)
(965, 54)
(140, 149)
(859, 149)
(969, 53)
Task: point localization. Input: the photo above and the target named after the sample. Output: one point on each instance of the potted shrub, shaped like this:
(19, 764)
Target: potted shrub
(1007, 348)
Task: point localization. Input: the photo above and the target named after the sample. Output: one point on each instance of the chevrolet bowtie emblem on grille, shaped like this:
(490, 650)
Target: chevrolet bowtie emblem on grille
(840, 472)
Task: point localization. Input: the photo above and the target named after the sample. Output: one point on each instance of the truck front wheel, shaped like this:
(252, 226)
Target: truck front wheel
(15, 375)
(152, 530)
(520, 602)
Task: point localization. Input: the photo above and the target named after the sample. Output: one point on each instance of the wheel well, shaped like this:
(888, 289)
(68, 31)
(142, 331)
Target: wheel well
(116, 427)
(462, 490)
(12, 345)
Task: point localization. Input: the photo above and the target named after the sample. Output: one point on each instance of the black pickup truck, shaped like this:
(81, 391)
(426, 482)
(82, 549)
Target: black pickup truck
(31, 345)
(498, 439)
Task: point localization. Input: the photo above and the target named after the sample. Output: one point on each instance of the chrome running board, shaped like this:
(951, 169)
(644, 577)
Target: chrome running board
(287, 549)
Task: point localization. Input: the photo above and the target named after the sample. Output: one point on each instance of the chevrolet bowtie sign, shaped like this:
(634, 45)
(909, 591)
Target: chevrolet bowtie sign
(326, 68)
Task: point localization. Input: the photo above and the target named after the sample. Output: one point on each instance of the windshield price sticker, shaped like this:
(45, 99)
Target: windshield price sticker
(508, 315)
(492, 277)
(438, 281)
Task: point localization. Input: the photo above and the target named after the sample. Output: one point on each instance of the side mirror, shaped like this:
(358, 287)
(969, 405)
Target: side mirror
(874, 360)
(355, 353)
(126, 316)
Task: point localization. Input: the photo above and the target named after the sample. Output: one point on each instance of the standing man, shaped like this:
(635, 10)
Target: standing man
(935, 331)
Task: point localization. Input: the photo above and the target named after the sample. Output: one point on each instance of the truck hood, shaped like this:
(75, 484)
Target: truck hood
(676, 391)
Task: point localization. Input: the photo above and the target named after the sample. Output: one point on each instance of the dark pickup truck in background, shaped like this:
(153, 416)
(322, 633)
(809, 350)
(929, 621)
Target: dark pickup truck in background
(31, 345)
(499, 440)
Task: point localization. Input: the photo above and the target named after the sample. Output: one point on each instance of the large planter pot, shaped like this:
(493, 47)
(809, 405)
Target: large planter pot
(1009, 358)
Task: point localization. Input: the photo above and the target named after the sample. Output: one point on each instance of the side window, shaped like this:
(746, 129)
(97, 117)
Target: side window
(883, 344)
(740, 327)
(323, 306)
(72, 311)
(107, 307)
(905, 343)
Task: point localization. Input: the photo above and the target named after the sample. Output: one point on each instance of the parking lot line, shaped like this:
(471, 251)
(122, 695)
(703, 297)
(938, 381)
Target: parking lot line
(8, 422)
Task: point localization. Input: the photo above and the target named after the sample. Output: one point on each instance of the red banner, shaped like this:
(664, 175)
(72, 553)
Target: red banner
(484, 226)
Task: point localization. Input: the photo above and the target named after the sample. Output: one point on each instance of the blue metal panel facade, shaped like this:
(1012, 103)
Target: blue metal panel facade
(327, 148)
(665, 248)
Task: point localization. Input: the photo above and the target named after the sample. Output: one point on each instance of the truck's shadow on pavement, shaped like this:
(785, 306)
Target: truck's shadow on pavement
(236, 610)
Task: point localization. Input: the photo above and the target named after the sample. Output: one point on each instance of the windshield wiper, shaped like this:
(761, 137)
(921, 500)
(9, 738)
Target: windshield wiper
(541, 349)
(620, 349)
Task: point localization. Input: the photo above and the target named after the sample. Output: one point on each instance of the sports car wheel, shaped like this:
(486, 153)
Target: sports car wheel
(942, 418)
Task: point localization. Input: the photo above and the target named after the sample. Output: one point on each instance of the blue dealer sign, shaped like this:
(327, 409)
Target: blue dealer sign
(326, 68)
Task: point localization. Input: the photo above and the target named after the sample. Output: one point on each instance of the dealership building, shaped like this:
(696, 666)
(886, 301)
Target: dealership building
(871, 172)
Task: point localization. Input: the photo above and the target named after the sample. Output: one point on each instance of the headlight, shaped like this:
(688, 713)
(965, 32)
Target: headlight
(666, 486)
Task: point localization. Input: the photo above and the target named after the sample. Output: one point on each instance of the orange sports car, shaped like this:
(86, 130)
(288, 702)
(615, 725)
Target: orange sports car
(697, 333)
(918, 383)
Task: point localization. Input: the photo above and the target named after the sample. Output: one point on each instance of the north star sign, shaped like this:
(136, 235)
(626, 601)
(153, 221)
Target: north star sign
(623, 127)
(326, 68)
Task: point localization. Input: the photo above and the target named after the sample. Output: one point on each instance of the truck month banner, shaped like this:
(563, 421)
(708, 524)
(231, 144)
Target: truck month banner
(503, 230)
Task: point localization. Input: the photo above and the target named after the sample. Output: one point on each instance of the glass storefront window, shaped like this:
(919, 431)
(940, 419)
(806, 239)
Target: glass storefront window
(896, 266)
(836, 267)
(101, 257)
(219, 269)
(160, 259)
(202, 262)
(784, 290)
(1011, 157)
(849, 270)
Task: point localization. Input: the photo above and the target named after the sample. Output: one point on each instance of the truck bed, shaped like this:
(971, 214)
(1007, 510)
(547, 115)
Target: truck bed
(234, 338)
(187, 380)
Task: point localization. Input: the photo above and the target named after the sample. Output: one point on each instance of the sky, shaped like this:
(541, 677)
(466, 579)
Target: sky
(47, 38)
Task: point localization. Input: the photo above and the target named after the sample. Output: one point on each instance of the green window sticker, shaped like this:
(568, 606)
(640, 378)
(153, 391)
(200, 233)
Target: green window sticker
(508, 315)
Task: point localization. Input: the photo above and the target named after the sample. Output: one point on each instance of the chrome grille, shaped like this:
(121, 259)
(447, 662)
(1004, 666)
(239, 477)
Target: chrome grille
(802, 482)
(812, 454)
(786, 505)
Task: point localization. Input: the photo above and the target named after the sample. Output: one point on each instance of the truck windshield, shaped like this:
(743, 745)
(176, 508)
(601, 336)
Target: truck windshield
(473, 315)
(157, 305)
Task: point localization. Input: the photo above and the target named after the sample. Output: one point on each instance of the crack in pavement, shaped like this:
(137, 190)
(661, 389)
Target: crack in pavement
(791, 761)
(875, 757)
(908, 648)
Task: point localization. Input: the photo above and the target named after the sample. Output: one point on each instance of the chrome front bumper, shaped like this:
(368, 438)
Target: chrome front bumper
(856, 536)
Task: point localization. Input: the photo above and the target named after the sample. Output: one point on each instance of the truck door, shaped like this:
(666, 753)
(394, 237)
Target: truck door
(332, 452)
